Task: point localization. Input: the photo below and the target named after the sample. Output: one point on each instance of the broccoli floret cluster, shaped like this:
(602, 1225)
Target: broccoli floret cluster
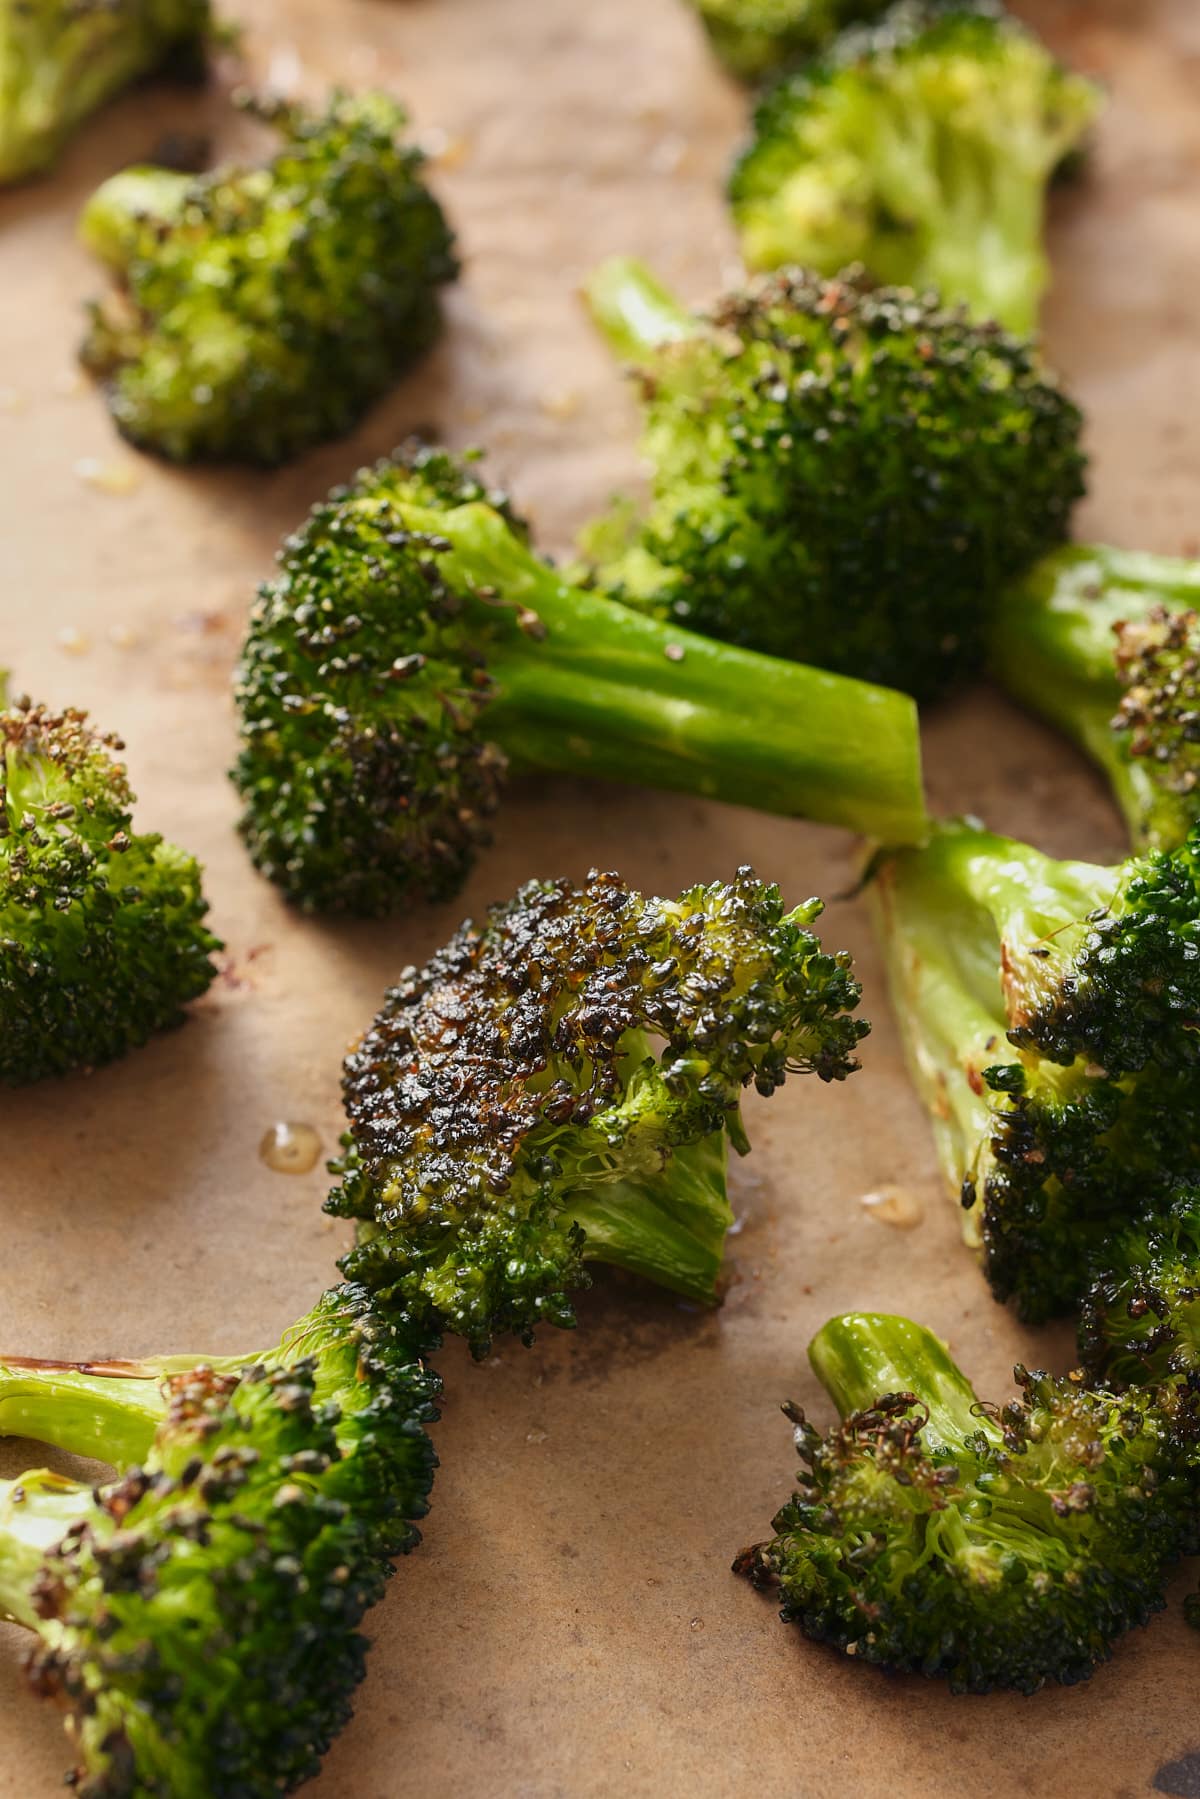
(413, 648)
(1007, 1546)
(1140, 1319)
(842, 474)
(261, 310)
(61, 59)
(922, 147)
(756, 38)
(558, 1085)
(102, 934)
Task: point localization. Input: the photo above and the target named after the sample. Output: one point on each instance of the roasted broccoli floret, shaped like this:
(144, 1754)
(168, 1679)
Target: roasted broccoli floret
(102, 934)
(261, 310)
(1106, 645)
(1050, 1012)
(1140, 1321)
(840, 474)
(922, 147)
(993, 1546)
(197, 1616)
(756, 38)
(61, 59)
(413, 647)
(558, 1085)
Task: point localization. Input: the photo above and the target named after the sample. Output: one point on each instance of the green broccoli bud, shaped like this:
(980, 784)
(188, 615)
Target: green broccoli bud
(843, 475)
(1140, 1319)
(933, 1533)
(922, 147)
(413, 647)
(102, 935)
(61, 59)
(756, 38)
(1049, 1012)
(557, 1085)
(1106, 645)
(261, 310)
(197, 1616)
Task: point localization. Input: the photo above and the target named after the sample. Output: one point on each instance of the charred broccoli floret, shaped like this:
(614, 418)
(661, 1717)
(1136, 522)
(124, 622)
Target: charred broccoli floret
(922, 147)
(841, 474)
(1106, 645)
(1050, 1013)
(1140, 1321)
(933, 1533)
(261, 310)
(197, 1616)
(61, 59)
(558, 1085)
(755, 38)
(102, 935)
(413, 647)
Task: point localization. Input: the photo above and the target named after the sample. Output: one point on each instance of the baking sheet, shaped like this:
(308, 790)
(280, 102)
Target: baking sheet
(570, 1627)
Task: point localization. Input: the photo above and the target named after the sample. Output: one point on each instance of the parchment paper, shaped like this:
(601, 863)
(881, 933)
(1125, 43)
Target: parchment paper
(570, 1628)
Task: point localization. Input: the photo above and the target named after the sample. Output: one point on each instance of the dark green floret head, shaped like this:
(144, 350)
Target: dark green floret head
(102, 934)
(993, 1547)
(843, 475)
(1158, 720)
(921, 147)
(1140, 1322)
(558, 1085)
(261, 310)
(755, 38)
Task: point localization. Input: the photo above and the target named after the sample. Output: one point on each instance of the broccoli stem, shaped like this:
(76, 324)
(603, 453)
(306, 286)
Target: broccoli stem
(604, 691)
(36, 1511)
(864, 1355)
(635, 313)
(106, 1410)
(671, 1231)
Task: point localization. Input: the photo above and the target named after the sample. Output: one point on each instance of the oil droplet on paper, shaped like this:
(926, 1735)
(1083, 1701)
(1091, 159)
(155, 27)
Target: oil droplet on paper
(696, 1624)
(73, 642)
(107, 477)
(895, 1206)
(290, 1148)
(536, 1436)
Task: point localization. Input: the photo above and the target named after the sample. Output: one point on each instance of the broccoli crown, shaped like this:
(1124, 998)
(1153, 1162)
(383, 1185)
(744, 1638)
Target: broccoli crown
(61, 59)
(1140, 1320)
(1158, 718)
(1005, 1546)
(755, 38)
(921, 147)
(844, 475)
(102, 935)
(557, 1084)
(261, 310)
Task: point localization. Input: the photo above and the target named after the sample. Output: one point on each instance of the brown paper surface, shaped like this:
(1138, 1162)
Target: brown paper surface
(570, 1627)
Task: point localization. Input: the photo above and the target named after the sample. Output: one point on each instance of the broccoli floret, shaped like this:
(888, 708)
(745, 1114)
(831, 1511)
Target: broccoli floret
(1106, 645)
(933, 1533)
(1140, 1320)
(413, 646)
(558, 1084)
(61, 59)
(756, 38)
(1049, 1011)
(102, 935)
(197, 1616)
(261, 310)
(844, 475)
(921, 147)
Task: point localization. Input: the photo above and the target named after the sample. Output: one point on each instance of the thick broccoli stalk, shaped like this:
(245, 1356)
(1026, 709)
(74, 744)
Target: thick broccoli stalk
(102, 935)
(558, 1085)
(261, 310)
(61, 59)
(934, 1533)
(846, 475)
(1106, 645)
(197, 1616)
(757, 38)
(1049, 1011)
(921, 147)
(413, 647)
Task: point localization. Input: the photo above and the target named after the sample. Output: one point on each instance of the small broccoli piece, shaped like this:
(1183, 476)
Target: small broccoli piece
(935, 1534)
(261, 310)
(102, 935)
(197, 1616)
(413, 646)
(921, 147)
(1140, 1320)
(61, 59)
(756, 38)
(1106, 645)
(844, 475)
(1049, 1011)
(558, 1084)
